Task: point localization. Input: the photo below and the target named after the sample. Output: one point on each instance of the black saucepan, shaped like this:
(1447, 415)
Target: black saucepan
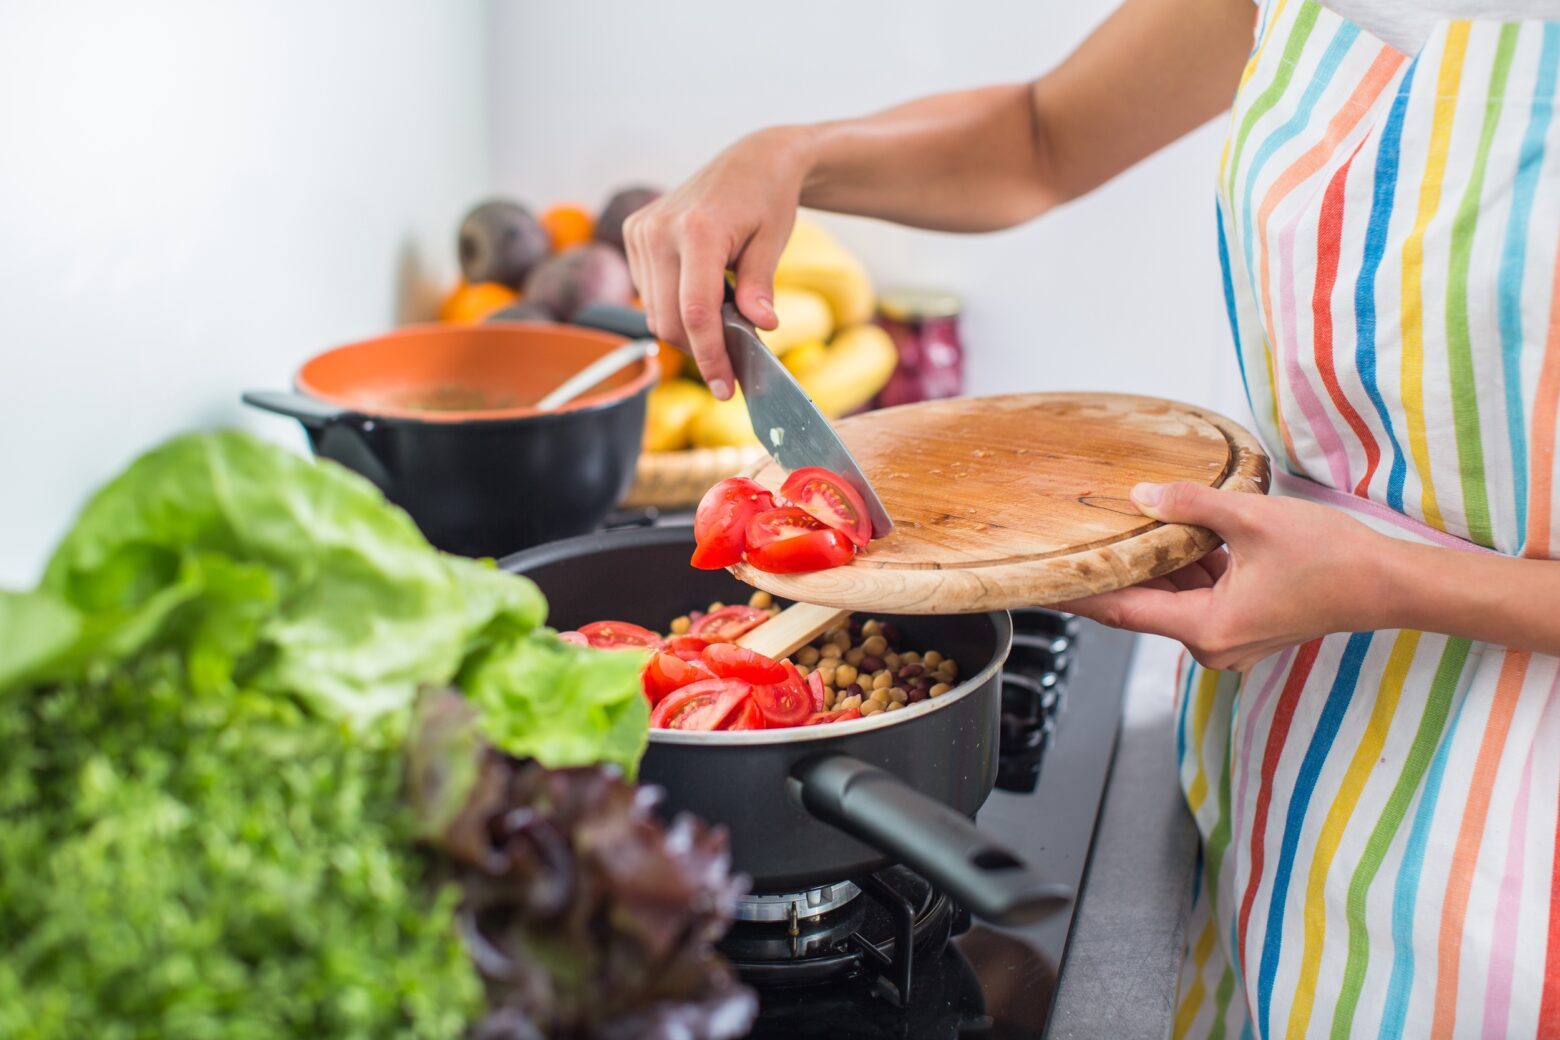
(820, 804)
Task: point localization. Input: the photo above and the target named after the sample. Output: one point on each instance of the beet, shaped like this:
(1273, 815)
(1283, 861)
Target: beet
(609, 226)
(578, 277)
(501, 241)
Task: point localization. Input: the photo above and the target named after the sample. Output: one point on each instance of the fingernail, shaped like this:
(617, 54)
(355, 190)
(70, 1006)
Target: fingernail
(766, 306)
(720, 388)
(1147, 495)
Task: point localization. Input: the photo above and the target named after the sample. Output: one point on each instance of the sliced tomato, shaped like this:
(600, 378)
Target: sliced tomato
(689, 648)
(720, 715)
(789, 541)
(667, 672)
(827, 497)
(577, 638)
(815, 687)
(784, 704)
(746, 717)
(730, 661)
(819, 718)
(720, 523)
(728, 624)
(685, 708)
(620, 635)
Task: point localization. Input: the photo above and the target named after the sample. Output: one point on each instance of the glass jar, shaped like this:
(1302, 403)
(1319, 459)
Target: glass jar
(924, 324)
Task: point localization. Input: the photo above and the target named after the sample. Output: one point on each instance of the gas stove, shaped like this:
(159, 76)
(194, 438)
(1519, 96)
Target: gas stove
(887, 955)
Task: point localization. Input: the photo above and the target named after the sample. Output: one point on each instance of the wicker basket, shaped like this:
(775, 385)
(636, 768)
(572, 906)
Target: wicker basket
(678, 479)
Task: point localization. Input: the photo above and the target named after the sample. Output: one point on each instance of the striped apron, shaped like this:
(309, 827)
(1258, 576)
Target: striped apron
(1379, 809)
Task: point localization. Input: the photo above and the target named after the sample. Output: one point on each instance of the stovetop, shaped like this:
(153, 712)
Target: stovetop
(1062, 692)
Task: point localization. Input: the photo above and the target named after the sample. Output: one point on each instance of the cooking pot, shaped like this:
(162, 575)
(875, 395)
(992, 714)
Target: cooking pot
(442, 419)
(815, 805)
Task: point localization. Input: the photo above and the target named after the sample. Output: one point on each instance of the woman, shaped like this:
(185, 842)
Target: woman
(1370, 739)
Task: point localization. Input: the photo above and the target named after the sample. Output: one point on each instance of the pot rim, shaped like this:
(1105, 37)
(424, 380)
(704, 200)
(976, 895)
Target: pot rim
(649, 372)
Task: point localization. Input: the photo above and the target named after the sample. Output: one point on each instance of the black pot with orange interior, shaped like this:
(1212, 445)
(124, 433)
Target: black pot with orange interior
(443, 419)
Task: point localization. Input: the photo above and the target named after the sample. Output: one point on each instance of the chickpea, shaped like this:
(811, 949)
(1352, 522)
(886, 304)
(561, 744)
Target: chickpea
(844, 675)
(949, 670)
(870, 707)
(882, 681)
(717, 605)
(931, 659)
(761, 599)
(854, 656)
(894, 705)
(892, 661)
(837, 635)
(938, 690)
(830, 650)
(680, 625)
(828, 673)
(877, 646)
(910, 658)
(807, 656)
(803, 670)
(871, 627)
(898, 694)
(853, 701)
(828, 698)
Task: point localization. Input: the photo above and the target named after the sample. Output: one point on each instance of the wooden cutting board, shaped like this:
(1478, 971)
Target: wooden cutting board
(1021, 500)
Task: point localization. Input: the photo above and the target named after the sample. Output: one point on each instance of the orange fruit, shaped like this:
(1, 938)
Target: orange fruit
(670, 359)
(568, 225)
(467, 304)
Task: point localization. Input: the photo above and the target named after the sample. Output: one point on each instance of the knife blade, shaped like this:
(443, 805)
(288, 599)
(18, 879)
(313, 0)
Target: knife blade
(787, 423)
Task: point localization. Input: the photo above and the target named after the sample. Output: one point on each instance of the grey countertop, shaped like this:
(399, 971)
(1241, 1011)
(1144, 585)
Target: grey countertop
(1124, 952)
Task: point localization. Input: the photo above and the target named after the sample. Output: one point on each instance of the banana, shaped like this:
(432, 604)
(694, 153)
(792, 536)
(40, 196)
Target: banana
(722, 423)
(855, 367)
(805, 356)
(670, 411)
(803, 315)
(814, 260)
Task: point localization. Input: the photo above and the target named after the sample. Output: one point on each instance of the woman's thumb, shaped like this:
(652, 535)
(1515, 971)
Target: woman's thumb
(1188, 503)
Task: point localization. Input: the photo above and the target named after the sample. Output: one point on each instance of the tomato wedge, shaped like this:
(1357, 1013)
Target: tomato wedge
(784, 704)
(828, 498)
(720, 523)
(789, 541)
(819, 718)
(689, 648)
(667, 672)
(747, 717)
(738, 662)
(620, 635)
(577, 638)
(727, 624)
(700, 705)
(815, 687)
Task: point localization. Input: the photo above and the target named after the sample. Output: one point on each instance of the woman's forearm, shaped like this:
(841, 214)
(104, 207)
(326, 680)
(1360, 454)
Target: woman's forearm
(978, 160)
(1494, 599)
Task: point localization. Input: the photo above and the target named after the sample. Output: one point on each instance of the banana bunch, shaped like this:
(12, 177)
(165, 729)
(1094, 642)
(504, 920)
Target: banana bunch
(824, 302)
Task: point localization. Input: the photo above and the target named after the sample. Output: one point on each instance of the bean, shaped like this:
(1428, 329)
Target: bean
(869, 664)
(853, 701)
(831, 650)
(898, 694)
(870, 707)
(894, 705)
(844, 675)
(910, 671)
(853, 624)
(938, 690)
(854, 655)
(680, 625)
(891, 633)
(931, 659)
(918, 695)
(761, 599)
(871, 627)
(807, 655)
(921, 682)
(882, 681)
(877, 646)
(855, 690)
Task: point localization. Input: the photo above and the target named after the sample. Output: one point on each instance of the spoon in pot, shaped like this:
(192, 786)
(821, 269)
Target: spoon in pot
(791, 629)
(593, 373)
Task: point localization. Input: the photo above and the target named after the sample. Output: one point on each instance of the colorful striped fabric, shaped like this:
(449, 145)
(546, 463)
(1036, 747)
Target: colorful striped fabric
(1380, 811)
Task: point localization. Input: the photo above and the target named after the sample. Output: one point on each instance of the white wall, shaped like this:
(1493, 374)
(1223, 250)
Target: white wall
(194, 197)
(1117, 291)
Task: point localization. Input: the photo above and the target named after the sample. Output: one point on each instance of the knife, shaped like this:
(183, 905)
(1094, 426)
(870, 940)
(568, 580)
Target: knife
(788, 424)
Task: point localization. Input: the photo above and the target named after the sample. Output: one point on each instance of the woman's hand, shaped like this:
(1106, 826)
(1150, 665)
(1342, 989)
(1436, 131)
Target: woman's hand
(737, 212)
(1290, 571)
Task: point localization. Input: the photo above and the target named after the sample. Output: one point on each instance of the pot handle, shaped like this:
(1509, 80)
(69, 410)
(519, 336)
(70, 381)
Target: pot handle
(878, 808)
(624, 321)
(312, 412)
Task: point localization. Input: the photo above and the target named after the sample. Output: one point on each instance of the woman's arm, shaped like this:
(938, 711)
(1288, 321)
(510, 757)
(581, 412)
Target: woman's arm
(1295, 570)
(973, 160)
